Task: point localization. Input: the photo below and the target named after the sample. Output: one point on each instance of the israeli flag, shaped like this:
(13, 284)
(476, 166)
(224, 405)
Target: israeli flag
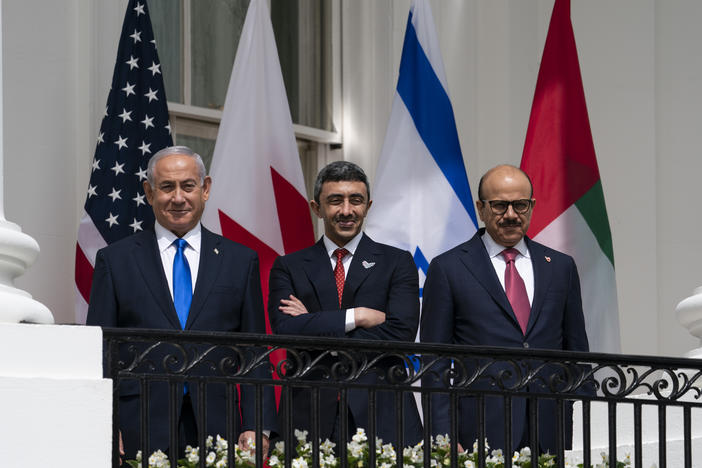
(421, 197)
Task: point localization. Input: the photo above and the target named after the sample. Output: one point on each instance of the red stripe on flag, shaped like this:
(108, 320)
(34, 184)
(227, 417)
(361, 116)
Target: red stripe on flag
(84, 274)
(266, 256)
(559, 155)
(293, 214)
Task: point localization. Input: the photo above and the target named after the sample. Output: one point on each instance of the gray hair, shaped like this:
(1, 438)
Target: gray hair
(338, 171)
(185, 151)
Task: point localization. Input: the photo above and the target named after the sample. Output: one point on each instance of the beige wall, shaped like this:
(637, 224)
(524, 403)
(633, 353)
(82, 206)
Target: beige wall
(642, 72)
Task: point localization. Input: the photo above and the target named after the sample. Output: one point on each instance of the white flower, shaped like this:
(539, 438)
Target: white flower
(469, 464)
(442, 441)
(327, 446)
(274, 462)
(159, 460)
(222, 444)
(193, 455)
(210, 457)
(223, 463)
(300, 435)
(360, 436)
(299, 463)
(356, 450)
(280, 446)
(208, 441)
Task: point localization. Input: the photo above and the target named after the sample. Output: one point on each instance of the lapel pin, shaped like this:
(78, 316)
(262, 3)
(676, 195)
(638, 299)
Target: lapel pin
(217, 252)
(367, 265)
(548, 259)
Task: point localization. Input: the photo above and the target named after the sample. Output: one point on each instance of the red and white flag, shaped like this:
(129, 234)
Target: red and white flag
(258, 191)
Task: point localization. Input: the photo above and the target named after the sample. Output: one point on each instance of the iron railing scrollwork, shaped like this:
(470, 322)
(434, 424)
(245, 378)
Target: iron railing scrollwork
(423, 369)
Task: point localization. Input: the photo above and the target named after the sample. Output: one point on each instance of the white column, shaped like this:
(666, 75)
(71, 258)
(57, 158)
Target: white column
(17, 252)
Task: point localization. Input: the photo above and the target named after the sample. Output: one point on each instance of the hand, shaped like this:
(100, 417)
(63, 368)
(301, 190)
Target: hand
(460, 448)
(249, 437)
(121, 448)
(366, 317)
(292, 306)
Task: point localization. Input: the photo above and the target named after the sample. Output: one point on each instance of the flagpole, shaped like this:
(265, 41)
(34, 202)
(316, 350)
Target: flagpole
(17, 251)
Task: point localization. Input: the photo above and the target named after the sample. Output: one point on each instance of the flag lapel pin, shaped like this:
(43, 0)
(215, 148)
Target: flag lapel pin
(548, 259)
(367, 265)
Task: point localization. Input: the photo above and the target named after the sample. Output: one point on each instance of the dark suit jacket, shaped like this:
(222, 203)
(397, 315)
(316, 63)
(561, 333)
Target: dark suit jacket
(464, 303)
(130, 290)
(389, 285)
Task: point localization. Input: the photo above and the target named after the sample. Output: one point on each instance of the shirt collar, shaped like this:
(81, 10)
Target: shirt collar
(494, 249)
(351, 245)
(165, 238)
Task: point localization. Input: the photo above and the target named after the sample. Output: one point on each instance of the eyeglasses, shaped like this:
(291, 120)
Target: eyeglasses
(500, 207)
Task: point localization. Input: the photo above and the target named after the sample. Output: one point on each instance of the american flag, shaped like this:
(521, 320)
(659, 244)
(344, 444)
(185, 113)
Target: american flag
(134, 127)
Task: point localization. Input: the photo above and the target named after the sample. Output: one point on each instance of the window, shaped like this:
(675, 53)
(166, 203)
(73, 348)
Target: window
(203, 36)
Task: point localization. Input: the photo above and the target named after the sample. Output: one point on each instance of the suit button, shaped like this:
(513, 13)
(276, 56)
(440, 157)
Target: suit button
(525, 344)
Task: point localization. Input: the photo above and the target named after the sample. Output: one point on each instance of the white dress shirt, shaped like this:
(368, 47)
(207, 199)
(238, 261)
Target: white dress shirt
(351, 246)
(522, 262)
(167, 249)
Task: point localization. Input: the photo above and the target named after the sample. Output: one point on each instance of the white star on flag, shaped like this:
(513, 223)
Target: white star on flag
(151, 95)
(139, 199)
(129, 89)
(132, 62)
(125, 115)
(155, 68)
(96, 164)
(145, 148)
(121, 142)
(136, 36)
(148, 122)
(118, 168)
(100, 137)
(141, 173)
(112, 219)
(91, 191)
(139, 8)
(136, 225)
(114, 195)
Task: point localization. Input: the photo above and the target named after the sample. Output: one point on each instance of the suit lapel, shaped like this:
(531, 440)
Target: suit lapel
(367, 254)
(542, 279)
(476, 260)
(208, 270)
(317, 266)
(148, 258)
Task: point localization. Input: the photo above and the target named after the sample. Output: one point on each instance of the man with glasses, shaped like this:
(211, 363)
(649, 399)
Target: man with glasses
(503, 289)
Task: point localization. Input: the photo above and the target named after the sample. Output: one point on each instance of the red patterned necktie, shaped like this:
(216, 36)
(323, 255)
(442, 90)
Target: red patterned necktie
(515, 289)
(339, 272)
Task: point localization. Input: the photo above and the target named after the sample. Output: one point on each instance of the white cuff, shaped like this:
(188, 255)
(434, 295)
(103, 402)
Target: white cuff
(350, 320)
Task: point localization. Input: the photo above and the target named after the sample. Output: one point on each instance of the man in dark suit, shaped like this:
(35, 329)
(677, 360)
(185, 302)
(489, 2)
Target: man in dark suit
(347, 286)
(474, 296)
(207, 283)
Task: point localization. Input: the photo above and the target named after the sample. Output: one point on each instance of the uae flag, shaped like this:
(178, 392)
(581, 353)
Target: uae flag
(559, 156)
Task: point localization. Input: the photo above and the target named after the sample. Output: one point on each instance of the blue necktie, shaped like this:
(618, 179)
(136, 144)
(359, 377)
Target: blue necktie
(182, 283)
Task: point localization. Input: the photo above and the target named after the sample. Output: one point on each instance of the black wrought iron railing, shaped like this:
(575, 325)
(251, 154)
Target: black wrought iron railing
(152, 370)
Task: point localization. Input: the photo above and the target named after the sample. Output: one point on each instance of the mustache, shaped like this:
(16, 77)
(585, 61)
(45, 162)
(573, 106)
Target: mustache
(510, 223)
(339, 218)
